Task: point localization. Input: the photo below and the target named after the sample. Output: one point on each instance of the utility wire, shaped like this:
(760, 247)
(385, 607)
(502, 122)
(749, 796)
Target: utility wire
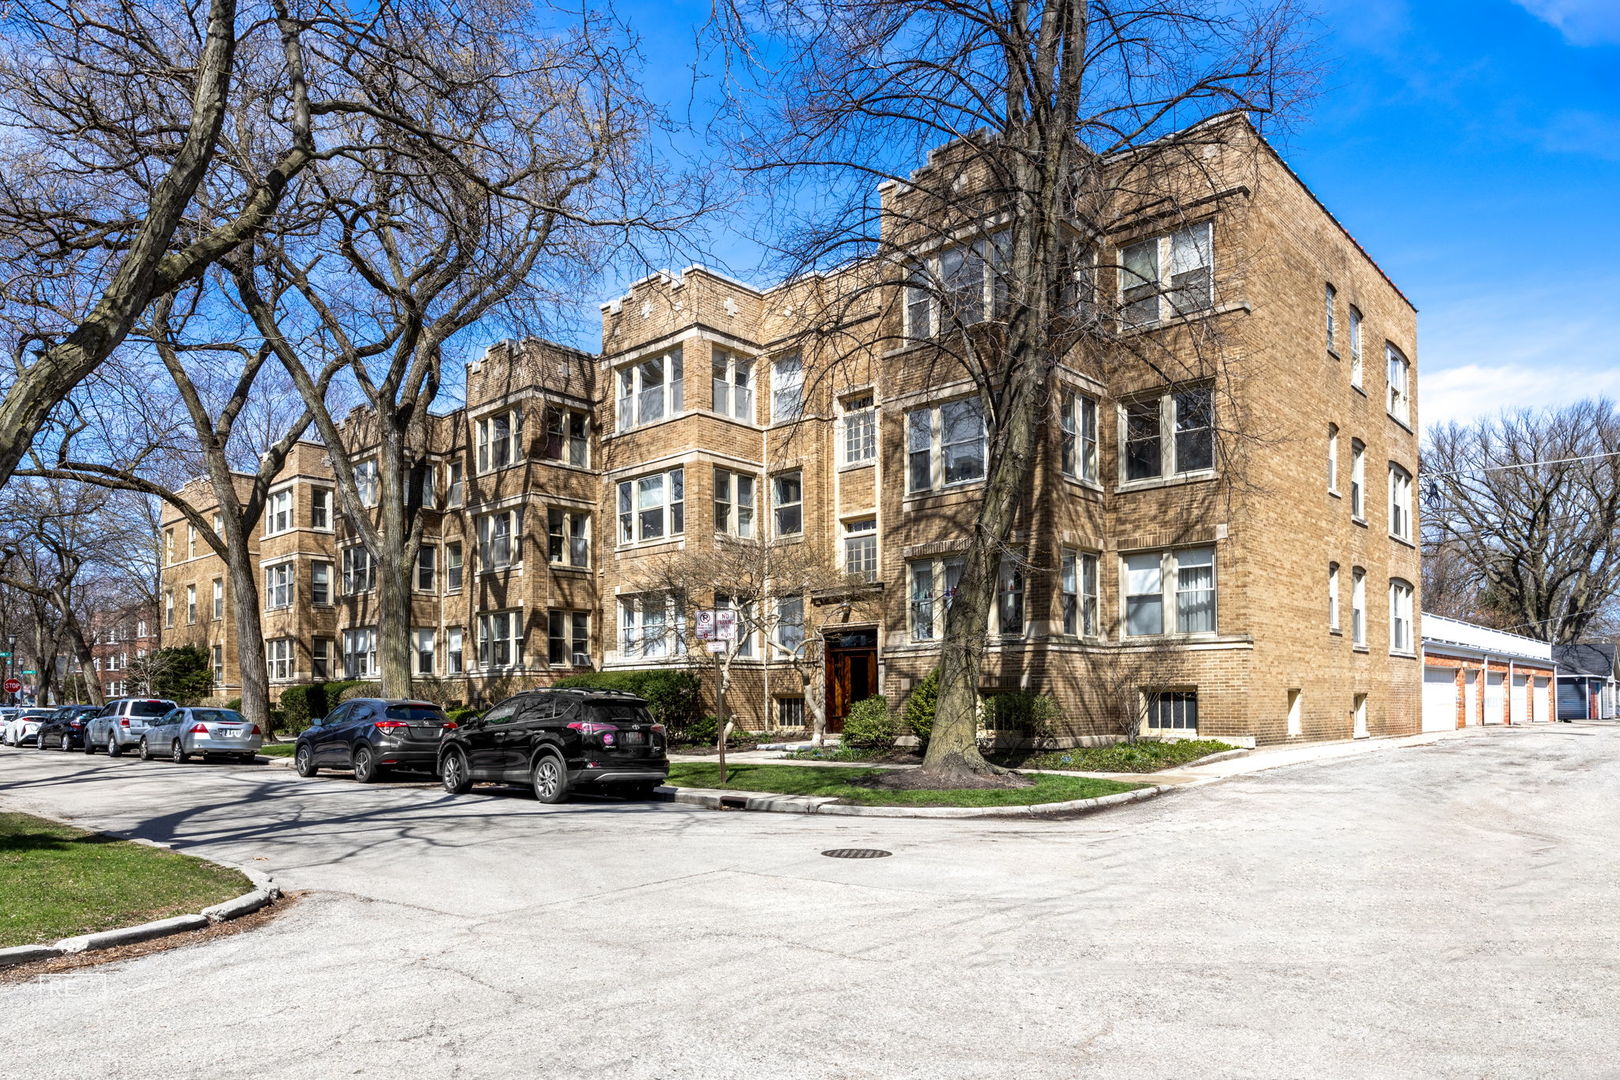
(1520, 465)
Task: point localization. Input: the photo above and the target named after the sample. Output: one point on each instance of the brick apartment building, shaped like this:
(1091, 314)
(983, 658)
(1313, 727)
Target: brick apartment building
(1232, 537)
(119, 639)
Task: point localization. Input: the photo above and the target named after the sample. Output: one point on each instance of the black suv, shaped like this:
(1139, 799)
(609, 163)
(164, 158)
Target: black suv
(559, 741)
(371, 735)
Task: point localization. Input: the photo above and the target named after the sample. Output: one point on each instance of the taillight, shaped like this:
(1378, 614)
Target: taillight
(391, 725)
(199, 729)
(75, 723)
(124, 722)
(448, 725)
(657, 729)
(255, 731)
(608, 733)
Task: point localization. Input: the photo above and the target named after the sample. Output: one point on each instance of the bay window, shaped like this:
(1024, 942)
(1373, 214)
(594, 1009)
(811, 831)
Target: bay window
(732, 386)
(650, 626)
(1169, 435)
(500, 640)
(652, 507)
(1167, 276)
(568, 537)
(787, 388)
(278, 512)
(500, 539)
(1078, 428)
(359, 570)
(734, 503)
(787, 503)
(650, 390)
(499, 440)
(568, 436)
(859, 420)
(359, 653)
(278, 586)
(1078, 592)
(278, 656)
(568, 639)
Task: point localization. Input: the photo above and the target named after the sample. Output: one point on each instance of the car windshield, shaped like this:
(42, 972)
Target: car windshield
(614, 712)
(416, 714)
(216, 716)
(34, 714)
(149, 708)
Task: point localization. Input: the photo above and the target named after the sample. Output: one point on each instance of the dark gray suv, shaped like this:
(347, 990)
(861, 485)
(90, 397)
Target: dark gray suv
(371, 736)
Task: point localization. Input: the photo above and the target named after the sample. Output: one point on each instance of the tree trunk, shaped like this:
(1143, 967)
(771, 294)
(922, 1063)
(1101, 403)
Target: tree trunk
(395, 555)
(250, 654)
(87, 661)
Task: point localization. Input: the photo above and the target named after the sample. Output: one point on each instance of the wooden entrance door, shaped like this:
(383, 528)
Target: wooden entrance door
(851, 673)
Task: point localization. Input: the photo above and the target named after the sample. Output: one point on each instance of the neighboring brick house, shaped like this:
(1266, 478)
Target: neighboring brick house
(1233, 540)
(119, 639)
(1473, 675)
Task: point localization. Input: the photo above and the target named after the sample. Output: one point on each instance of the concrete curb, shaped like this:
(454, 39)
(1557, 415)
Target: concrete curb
(716, 799)
(264, 891)
(1222, 756)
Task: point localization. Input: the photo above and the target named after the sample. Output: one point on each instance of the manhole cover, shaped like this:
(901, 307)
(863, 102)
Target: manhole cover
(857, 853)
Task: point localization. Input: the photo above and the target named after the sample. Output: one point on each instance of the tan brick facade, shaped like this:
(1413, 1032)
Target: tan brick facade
(1238, 545)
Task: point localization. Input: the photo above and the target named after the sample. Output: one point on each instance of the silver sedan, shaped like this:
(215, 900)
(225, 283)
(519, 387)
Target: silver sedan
(189, 730)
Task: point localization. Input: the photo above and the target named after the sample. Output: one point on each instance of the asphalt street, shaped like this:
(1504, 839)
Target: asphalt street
(1450, 910)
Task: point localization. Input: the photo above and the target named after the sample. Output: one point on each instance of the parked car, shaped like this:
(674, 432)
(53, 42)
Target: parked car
(188, 730)
(65, 729)
(23, 728)
(122, 723)
(370, 736)
(559, 741)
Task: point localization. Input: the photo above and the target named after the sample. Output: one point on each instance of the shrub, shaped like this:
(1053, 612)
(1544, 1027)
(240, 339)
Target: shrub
(671, 696)
(920, 708)
(235, 704)
(1021, 712)
(353, 690)
(301, 704)
(461, 715)
(870, 724)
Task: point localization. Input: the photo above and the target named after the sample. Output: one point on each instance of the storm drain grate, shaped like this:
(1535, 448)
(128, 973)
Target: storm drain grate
(857, 853)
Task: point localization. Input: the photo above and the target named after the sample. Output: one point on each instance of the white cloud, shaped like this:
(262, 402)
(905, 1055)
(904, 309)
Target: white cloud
(1582, 22)
(1471, 391)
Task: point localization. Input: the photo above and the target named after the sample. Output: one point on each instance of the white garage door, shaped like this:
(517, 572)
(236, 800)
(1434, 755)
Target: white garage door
(1521, 699)
(1538, 701)
(1494, 687)
(1471, 698)
(1439, 699)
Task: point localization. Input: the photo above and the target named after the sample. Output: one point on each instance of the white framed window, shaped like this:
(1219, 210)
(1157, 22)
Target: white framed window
(919, 309)
(359, 570)
(1358, 480)
(787, 503)
(1330, 300)
(499, 440)
(787, 388)
(1333, 596)
(427, 568)
(500, 539)
(320, 659)
(452, 651)
(1172, 711)
(858, 418)
(1333, 459)
(1008, 614)
(191, 603)
(219, 599)
(422, 645)
(958, 286)
(452, 566)
(500, 640)
(140, 629)
(1355, 347)
(568, 537)
(945, 445)
(320, 509)
(219, 667)
(732, 386)
(788, 632)
(1169, 435)
(652, 507)
(933, 586)
(191, 541)
(278, 655)
(1400, 503)
(1170, 592)
(861, 548)
(1167, 276)
(168, 609)
(168, 547)
(219, 525)
(1400, 388)
(320, 583)
(651, 389)
(734, 503)
(365, 482)
(360, 652)
(1400, 616)
(568, 639)
(427, 483)
(1077, 589)
(1077, 423)
(1358, 606)
(568, 436)
(650, 626)
(278, 512)
(456, 487)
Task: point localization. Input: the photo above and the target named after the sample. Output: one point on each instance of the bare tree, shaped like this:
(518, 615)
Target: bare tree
(770, 586)
(1060, 121)
(400, 246)
(1522, 518)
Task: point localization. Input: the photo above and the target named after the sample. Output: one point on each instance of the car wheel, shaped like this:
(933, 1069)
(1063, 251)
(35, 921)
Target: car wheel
(67, 744)
(113, 749)
(304, 761)
(550, 781)
(146, 749)
(89, 746)
(177, 753)
(453, 773)
(365, 766)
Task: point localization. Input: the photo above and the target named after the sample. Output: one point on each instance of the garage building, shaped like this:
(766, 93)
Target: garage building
(1475, 675)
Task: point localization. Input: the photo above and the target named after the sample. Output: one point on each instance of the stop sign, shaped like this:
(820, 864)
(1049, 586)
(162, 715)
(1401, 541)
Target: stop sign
(13, 686)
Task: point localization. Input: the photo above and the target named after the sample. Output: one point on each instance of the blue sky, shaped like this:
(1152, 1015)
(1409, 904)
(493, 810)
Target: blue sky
(1472, 146)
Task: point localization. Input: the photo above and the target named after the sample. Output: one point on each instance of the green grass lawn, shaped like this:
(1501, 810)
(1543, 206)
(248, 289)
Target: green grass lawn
(57, 881)
(844, 784)
(1142, 757)
(277, 749)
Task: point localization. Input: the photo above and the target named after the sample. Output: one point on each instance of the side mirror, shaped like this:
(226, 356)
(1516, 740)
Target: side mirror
(316, 721)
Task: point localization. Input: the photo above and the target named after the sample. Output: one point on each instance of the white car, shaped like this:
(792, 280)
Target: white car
(24, 726)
